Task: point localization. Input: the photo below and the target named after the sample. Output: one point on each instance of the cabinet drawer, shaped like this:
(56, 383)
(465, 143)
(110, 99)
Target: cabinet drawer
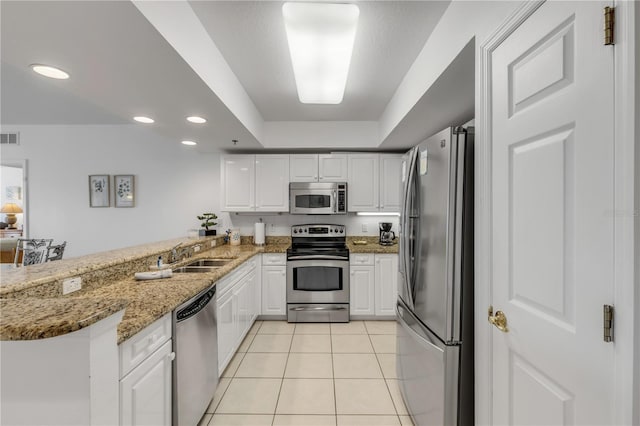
(139, 347)
(361, 259)
(274, 259)
(229, 280)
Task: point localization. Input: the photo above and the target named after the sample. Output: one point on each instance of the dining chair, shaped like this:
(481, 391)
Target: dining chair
(33, 251)
(55, 252)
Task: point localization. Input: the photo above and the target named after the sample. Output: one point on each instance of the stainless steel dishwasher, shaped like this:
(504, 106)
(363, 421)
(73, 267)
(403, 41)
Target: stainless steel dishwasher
(195, 370)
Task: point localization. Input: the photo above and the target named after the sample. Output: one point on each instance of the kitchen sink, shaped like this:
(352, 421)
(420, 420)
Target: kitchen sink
(195, 269)
(210, 262)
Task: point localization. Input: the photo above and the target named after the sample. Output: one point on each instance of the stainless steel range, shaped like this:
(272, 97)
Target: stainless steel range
(318, 274)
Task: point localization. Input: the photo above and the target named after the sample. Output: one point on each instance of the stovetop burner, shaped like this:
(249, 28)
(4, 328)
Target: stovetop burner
(318, 240)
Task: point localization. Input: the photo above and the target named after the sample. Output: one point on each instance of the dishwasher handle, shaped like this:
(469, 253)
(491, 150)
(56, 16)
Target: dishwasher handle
(196, 306)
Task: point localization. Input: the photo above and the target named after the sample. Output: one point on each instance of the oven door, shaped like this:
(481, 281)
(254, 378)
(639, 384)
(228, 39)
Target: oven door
(312, 201)
(317, 280)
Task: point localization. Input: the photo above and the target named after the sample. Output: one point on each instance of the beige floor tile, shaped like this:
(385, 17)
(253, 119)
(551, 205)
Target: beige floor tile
(244, 346)
(271, 343)
(353, 327)
(277, 327)
(388, 365)
(351, 343)
(397, 397)
(255, 327)
(233, 365)
(368, 421)
(381, 327)
(319, 343)
(241, 420)
(406, 421)
(223, 384)
(304, 420)
(204, 421)
(311, 328)
(356, 366)
(250, 396)
(306, 396)
(363, 396)
(262, 365)
(309, 366)
(384, 344)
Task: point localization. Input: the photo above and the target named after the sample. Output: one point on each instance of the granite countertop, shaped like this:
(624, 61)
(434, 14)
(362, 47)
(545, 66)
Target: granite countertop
(372, 246)
(143, 301)
(29, 318)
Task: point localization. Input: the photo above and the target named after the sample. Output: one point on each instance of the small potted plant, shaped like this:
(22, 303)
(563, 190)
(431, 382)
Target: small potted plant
(207, 221)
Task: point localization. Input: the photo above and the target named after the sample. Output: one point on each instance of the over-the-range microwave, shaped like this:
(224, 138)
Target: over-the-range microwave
(318, 198)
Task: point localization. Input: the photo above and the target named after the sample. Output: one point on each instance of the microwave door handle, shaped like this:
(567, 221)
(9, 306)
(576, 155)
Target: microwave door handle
(335, 200)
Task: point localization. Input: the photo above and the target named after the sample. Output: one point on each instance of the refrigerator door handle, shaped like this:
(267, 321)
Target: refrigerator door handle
(421, 338)
(409, 237)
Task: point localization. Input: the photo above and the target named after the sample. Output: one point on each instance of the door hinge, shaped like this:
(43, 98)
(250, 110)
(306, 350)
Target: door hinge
(609, 23)
(608, 323)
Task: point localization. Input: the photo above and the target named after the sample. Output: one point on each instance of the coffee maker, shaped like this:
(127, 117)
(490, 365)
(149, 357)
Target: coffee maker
(387, 236)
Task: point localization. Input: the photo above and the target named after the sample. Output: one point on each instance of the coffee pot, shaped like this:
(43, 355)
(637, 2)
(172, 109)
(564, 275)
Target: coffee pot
(387, 236)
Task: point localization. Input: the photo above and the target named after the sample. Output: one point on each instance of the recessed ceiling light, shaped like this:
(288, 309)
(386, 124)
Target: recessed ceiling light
(143, 119)
(51, 72)
(197, 120)
(189, 143)
(321, 37)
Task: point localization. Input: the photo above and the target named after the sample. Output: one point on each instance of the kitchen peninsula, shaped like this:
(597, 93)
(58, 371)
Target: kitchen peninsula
(64, 356)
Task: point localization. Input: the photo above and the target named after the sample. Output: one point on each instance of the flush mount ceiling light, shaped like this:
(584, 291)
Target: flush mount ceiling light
(189, 143)
(197, 120)
(143, 119)
(320, 37)
(51, 72)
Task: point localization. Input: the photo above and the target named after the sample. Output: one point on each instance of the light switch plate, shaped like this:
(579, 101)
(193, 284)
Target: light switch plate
(71, 284)
(364, 227)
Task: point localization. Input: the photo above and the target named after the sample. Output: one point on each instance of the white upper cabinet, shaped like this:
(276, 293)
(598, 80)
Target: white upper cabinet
(318, 168)
(374, 182)
(363, 183)
(390, 169)
(255, 183)
(332, 168)
(272, 183)
(303, 168)
(238, 182)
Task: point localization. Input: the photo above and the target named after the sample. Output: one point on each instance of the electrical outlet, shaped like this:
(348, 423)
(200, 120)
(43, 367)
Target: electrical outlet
(196, 248)
(71, 284)
(213, 243)
(364, 227)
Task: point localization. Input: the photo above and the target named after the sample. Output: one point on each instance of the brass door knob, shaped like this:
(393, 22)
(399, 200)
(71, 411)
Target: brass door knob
(499, 320)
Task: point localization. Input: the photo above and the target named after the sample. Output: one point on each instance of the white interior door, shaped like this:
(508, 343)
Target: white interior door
(552, 227)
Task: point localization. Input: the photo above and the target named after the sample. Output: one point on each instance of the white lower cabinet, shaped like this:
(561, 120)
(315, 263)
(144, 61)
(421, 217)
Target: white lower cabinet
(145, 393)
(361, 284)
(373, 284)
(386, 284)
(145, 376)
(274, 284)
(236, 309)
(361, 290)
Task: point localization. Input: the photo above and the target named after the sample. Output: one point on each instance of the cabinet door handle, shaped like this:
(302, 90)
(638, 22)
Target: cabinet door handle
(171, 356)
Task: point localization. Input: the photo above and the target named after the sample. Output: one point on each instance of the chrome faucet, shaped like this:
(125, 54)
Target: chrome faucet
(174, 253)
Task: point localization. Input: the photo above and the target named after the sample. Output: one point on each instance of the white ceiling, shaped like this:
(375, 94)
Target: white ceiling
(121, 66)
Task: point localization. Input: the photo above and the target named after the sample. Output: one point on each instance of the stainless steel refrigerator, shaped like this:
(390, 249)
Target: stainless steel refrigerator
(435, 303)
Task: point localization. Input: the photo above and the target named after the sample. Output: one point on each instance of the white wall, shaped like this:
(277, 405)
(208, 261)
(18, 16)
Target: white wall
(173, 184)
(462, 21)
(281, 224)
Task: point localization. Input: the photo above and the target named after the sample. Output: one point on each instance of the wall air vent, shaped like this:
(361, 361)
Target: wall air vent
(9, 138)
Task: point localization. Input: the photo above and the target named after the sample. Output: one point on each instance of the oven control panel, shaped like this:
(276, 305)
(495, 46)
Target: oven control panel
(318, 231)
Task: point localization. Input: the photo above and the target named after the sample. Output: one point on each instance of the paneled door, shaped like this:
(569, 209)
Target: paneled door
(551, 118)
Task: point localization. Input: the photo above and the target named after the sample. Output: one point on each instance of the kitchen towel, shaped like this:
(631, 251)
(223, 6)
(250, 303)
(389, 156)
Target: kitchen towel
(258, 235)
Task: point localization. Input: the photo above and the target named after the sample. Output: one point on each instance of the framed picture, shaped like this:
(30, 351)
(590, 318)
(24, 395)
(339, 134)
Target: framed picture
(123, 189)
(99, 191)
(14, 193)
